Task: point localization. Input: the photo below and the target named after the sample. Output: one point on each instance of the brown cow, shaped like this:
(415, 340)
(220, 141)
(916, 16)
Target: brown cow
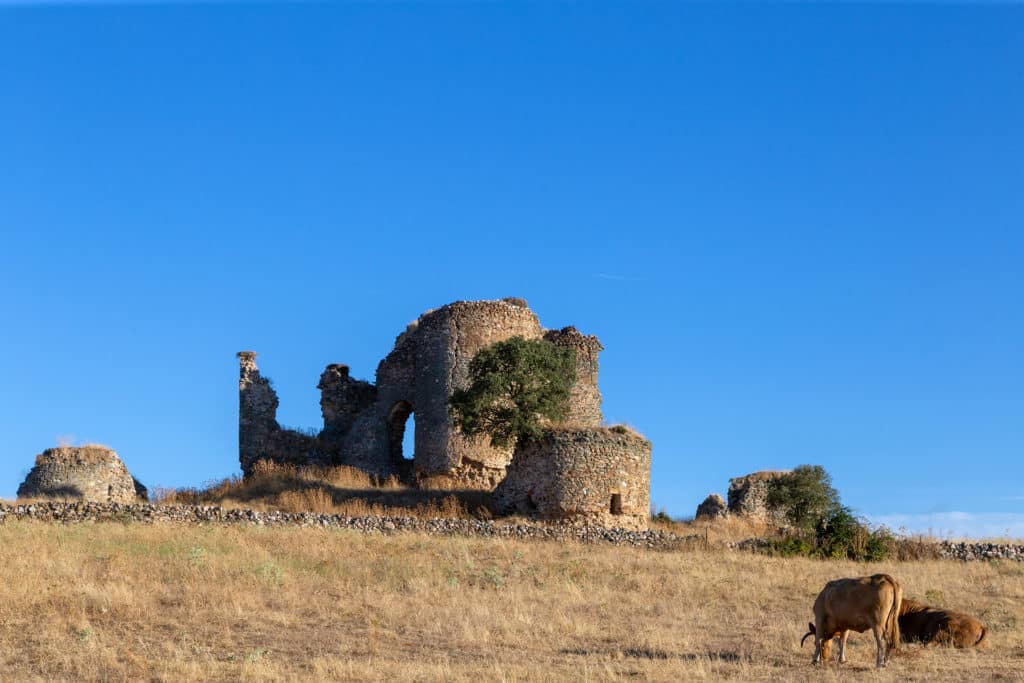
(921, 623)
(844, 605)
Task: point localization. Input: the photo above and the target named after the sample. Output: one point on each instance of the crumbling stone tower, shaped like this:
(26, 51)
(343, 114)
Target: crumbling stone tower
(364, 423)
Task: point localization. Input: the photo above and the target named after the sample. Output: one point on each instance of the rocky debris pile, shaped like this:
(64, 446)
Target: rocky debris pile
(713, 507)
(72, 513)
(93, 473)
(969, 551)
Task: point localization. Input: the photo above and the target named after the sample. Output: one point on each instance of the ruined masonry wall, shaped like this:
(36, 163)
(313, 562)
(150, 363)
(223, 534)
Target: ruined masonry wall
(364, 423)
(585, 399)
(748, 496)
(342, 399)
(257, 411)
(446, 341)
(91, 473)
(575, 474)
(260, 437)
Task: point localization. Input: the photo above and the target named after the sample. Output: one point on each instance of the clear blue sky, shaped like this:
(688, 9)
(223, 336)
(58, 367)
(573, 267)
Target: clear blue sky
(798, 229)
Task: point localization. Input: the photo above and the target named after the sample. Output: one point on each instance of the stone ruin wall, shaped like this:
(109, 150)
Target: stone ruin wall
(90, 473)
(587, 475)
(580, 470)
(585, 399)
(448, 339)
(364, 423)
(260, 437)
(748, 496)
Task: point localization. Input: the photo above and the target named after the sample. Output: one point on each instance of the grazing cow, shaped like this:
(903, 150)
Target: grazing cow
(844, 605)
(924, 624)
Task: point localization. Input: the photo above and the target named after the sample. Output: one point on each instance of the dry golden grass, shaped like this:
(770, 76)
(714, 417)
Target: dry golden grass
(328, 490)
(187, 603)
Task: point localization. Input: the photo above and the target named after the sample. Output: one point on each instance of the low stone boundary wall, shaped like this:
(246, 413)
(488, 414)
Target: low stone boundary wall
(964, 551)
(84, 512)
(969, 551)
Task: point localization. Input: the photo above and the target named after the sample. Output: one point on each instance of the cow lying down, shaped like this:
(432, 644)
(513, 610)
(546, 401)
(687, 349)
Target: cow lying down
(844, 605)
(924, 624)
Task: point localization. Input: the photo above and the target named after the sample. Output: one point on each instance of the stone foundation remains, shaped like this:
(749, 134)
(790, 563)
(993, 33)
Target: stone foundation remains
(91, 473)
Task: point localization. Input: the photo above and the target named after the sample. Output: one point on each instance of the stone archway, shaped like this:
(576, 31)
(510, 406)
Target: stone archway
(398, 418)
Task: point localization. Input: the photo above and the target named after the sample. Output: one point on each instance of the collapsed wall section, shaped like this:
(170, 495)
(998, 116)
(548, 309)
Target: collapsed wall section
(374, 442)
(260, 437)
(590, 475)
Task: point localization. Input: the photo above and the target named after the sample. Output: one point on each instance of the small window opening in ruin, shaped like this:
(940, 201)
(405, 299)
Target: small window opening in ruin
(401, 432)
(616, 507)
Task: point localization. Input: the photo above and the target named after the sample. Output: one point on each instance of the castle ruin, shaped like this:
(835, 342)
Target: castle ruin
(364, 423)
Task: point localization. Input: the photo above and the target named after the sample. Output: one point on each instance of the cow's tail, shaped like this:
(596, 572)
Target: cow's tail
(892, 622)
(811, 632)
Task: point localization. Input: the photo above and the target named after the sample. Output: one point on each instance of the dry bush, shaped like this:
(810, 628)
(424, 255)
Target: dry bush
(208, 603)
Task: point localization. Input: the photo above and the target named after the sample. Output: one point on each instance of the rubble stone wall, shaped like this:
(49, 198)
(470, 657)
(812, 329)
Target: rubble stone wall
(594, 475)
(585, 399)
(447, 340)
(748, 496)
(364, 423)
(92, 473)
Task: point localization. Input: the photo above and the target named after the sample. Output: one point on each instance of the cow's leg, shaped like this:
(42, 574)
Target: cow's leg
(842, 646)
(880, 642)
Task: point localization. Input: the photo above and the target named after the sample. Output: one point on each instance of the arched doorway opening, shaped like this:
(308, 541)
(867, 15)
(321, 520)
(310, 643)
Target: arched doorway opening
(401, 434)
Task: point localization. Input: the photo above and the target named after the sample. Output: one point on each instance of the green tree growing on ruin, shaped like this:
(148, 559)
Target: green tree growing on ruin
(515, 387)
(805, 496)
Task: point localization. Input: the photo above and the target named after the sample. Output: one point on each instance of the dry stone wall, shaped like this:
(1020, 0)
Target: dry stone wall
(91, 513)
(92, 473)
(748, 496)
(594, 475)
(79, 513)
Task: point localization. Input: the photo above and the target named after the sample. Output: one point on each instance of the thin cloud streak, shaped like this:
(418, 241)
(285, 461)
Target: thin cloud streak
(617, 278)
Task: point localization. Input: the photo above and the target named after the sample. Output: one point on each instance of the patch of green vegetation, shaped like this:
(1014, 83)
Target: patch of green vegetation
(515, 386)
(821, 526)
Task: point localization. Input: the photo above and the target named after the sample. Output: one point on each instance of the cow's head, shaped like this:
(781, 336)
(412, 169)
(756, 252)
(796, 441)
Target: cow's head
(825, 652)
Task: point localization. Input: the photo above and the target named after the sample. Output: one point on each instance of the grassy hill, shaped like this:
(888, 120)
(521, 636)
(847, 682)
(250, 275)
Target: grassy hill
(125, 601)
